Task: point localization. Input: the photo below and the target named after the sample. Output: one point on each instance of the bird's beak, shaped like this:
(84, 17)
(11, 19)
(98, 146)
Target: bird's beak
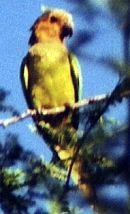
(66, 31)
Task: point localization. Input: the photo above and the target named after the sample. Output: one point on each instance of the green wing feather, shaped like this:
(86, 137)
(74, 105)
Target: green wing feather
(24, 76)
(77, 82)
(76, 76)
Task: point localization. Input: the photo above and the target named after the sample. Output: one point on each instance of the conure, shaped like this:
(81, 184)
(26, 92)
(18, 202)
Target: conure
(50, 74)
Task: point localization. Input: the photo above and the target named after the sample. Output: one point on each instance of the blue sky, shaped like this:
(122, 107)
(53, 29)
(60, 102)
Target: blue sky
(16, 19)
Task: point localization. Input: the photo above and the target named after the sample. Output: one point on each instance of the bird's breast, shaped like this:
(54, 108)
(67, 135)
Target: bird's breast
(50, 76)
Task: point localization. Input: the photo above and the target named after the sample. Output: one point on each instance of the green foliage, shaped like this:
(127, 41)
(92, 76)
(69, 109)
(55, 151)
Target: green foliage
(119, 67)
(119, 7)
(35, 174)
(3, 106)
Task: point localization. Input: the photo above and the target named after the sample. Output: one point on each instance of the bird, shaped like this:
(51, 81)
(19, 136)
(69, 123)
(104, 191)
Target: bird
(50, 74)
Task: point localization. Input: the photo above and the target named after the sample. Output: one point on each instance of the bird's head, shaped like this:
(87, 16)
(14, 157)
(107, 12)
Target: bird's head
(53, 24)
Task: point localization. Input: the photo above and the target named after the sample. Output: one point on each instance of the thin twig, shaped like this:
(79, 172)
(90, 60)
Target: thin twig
(61, 109)
(116, 94)
(52, 111)
(6, 122)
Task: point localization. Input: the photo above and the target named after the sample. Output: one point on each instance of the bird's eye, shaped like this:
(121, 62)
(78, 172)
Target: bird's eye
(53, 19)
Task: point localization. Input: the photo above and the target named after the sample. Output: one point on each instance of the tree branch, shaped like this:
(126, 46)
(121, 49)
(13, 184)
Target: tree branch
(123, 90)
(52, 111)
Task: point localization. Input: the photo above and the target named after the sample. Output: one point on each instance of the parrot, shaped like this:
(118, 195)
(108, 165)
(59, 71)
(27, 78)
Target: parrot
(50, 74)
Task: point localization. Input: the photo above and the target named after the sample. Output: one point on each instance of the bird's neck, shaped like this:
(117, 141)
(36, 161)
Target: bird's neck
(40, 37)
(48, 36)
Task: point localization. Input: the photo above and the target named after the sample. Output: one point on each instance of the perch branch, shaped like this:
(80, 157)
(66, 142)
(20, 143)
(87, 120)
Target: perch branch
(52, 111)
(57, 110)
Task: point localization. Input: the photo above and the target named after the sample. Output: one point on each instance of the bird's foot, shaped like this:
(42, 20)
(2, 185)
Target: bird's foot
(68, 108)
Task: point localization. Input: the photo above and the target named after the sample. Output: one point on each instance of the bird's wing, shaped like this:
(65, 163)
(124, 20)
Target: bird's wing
(24, 76)
(76, 76)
